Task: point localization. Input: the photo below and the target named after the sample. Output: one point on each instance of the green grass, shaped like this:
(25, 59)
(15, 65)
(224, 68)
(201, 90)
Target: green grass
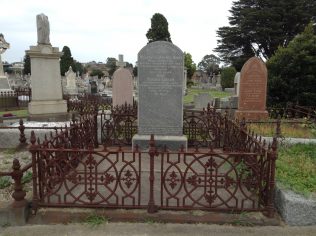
(214, 93)
(96, 220)
(18, 113)
(296, 168)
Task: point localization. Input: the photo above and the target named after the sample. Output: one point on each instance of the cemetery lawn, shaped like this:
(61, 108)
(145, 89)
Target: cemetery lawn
(214, 93)
(18, 113)
(287, 130)
(296, 168)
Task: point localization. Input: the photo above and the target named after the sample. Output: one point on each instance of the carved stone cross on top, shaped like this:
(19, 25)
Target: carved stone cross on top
(120, 62)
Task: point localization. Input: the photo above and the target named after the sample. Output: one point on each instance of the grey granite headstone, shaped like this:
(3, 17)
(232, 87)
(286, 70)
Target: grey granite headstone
(224, 103)
(160, 94)
(236, 83)
(4, 83)
(216, 103)
(201, 100)
(233, 102)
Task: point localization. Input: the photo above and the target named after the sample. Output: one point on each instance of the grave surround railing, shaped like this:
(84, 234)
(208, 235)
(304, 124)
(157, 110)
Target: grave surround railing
(229, 168)
(116, 177)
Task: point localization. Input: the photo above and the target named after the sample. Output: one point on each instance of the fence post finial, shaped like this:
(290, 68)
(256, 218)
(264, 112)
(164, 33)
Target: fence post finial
(18, 194)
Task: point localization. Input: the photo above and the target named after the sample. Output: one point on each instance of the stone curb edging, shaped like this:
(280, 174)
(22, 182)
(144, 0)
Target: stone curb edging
(294, 208)
(292, 140)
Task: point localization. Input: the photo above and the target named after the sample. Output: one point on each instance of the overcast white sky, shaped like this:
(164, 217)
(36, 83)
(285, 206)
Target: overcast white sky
(97, 29)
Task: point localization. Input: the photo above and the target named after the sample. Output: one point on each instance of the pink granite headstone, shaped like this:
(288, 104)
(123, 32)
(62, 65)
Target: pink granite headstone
(122, 88)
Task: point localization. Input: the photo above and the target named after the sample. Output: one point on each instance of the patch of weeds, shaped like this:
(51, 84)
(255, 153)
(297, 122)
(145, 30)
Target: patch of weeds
(27, 177)
(26, 157)
(242, 220)
(303, 130)
(96, 220)
(5, 182)
(6, 225)
(10, 151)
(151, 221)
(6, 162)
(296, 168)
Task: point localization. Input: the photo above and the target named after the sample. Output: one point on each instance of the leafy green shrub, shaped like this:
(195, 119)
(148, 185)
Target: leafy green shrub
(227, 77)
(291, 69)
(27, 177)
(96, 220)
(4, 182)
(190, 83)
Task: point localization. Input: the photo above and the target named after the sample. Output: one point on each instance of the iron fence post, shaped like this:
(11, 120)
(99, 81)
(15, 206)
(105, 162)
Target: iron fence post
(243, 135)
(34, 169)
(18, 194)
(22, 135)
(272, 158)
(278, 127)
(96, 144)
(152, 208)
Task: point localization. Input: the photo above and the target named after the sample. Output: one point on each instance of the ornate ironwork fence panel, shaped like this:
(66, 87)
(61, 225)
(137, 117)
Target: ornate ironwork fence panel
(223, 181)
(89, 178)
(119, 125)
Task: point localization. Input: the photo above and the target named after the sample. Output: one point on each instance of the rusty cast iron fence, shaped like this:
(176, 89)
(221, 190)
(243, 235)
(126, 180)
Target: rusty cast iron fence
(115, 177)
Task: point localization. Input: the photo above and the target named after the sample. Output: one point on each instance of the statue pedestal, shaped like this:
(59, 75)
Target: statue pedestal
(46, 82)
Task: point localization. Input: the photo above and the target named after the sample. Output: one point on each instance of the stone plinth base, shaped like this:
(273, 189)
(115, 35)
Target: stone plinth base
(11, 214)
(172, 142)
(251, 115)
(48, 110)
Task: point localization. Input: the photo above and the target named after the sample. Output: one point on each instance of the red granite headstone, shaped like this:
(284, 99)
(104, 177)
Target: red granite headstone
(253, 90)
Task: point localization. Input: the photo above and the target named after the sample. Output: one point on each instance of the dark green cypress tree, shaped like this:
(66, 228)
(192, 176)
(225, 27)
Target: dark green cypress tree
(159, 29)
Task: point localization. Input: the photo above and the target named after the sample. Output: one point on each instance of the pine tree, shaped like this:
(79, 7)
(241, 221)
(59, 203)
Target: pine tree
(259, 27)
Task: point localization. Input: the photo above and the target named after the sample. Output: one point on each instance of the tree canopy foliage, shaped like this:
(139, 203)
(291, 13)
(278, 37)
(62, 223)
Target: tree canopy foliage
(227, 77)
(259, 27)
(66, 60)
(210, 64)
(159, 29)
(27, 65)
(97, 72)
(111, 64)
(292, 71)
(189, 64)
